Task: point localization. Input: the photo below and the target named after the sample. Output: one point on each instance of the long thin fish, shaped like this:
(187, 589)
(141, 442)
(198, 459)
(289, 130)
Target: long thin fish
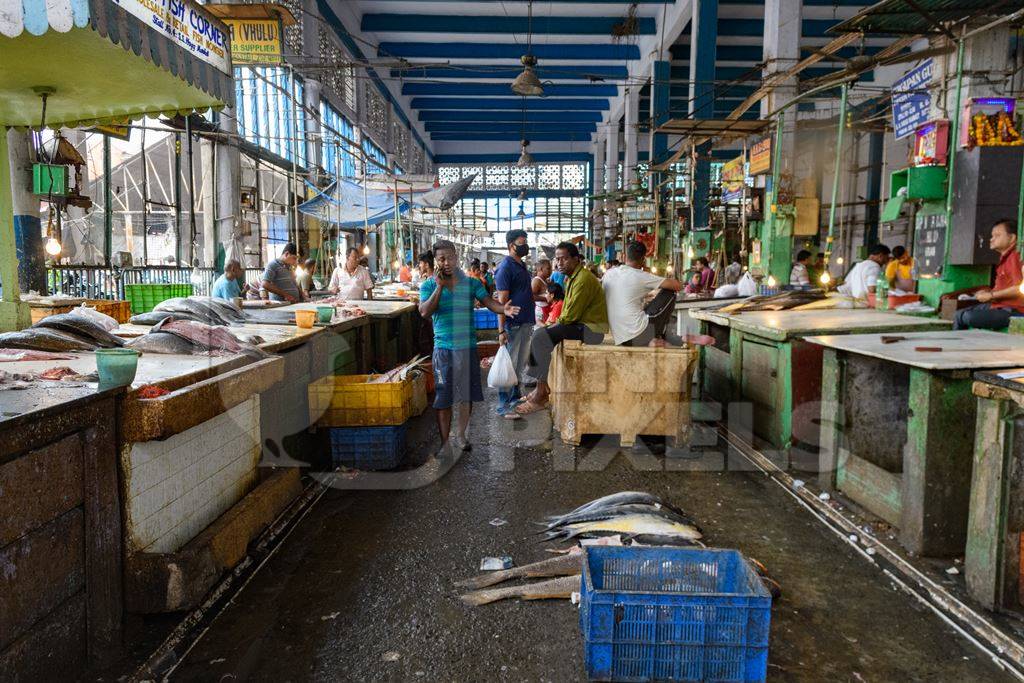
(562, 587)
(620, 498)
(631, 525)
(555, 566)
(656, 509)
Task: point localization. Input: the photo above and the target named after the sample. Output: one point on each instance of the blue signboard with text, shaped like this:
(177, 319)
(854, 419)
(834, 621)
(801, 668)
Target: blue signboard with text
(911, 101)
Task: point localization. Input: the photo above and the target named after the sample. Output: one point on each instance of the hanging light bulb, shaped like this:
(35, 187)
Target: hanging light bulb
(522, 195)
(526, 83)
(603, 268)
(299, 271)
(52, 246)
(396, 265)
(669, 269)
(772, 281)
(366, 249)
(825, 278)
(839, 261)
(689, 253)
(525, 158)
(654, 270)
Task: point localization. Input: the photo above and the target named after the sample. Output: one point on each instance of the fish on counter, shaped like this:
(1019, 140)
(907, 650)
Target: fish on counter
(202, 309)
(45, 339)
(190, 337)
(560, 588)
(11, 355)
(151, 318)
(81, 327)
(563, 565)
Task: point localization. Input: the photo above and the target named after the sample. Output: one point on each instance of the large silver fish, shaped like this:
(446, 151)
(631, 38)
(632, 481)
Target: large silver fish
(45, 339)
(82, 327)
(656, 509)
(562, 587)
(194, 309)
(629, 525)
(164, 342)
(616, 499)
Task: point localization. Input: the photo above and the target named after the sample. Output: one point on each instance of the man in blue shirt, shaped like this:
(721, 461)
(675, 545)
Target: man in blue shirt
(448, 297)
(512, 282)
(227, 285)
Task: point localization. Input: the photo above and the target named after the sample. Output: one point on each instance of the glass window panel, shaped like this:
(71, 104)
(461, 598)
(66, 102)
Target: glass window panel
(573, 177)
(448, 174)
(548, 176)
(525, 177)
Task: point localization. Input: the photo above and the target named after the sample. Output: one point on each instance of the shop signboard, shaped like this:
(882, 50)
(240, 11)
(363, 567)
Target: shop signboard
(732, 179)
(255, 41)
(911, 101)
(761, 157)
(187, 25)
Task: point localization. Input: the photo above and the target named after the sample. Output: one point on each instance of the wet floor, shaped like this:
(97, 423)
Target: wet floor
(362, 588)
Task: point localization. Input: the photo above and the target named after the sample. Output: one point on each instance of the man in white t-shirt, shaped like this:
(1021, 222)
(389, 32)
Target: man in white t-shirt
(626, 288)
(861, 279)
(351, 280)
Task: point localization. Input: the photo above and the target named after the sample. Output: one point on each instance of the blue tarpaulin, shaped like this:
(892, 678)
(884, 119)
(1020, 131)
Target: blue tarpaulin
(344, 203)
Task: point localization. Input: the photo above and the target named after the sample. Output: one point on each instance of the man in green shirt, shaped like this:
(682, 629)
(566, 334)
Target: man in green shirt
(584, 318)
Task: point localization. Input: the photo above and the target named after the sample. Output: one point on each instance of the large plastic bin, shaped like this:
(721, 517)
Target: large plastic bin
(484, 319)
(349, 401)
(673, 614)
(144, 297)
(368, 448)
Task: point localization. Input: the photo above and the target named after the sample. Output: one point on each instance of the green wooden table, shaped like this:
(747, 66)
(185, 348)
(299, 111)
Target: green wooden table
(761, 365)
(898, 428)
(995, 523)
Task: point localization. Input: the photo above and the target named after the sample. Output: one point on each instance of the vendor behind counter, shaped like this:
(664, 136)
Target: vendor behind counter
(1005, 300)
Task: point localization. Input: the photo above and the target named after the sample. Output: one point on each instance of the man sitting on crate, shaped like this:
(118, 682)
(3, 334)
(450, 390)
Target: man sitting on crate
(584, 318)
(626, 290)
(448, 297)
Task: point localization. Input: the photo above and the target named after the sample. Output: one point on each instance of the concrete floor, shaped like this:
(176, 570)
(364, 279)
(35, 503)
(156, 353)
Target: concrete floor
(368, 575)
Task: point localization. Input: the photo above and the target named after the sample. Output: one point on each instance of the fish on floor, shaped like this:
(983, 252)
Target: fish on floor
(656, 509)
(562, 587)
(628, 525)
(563, 565)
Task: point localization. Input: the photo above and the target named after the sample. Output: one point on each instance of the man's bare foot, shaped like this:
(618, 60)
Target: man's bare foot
(658, 343)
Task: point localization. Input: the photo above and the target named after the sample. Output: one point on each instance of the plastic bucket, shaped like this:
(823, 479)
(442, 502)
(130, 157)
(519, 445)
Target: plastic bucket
(324, 313)
(116, 367)
(305, 318)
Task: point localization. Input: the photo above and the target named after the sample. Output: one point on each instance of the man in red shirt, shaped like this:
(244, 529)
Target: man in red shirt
(1004, 300)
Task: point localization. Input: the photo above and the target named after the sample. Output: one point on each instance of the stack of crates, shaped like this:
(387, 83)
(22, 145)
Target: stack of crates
(145, 297)
(484, 319)
(366, 420)
(673, 614)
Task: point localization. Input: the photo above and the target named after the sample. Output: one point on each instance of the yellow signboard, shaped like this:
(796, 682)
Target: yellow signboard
(761, 157)
(732, 179)
(255, 41)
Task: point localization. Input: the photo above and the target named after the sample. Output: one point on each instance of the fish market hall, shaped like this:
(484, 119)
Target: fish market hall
(550, 340)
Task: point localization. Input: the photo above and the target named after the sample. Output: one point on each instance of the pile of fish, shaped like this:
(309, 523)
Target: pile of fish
(638, 516)
(190, 337)
(777, 302)
(201, 309)
(63, 332)
(401, 373)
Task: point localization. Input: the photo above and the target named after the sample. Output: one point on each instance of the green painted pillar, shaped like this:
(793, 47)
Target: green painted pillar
(14, 314)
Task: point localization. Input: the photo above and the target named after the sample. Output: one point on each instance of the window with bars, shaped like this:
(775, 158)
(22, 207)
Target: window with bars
(564, 176)
(561, 215)
(269, 111)
(377, 160)
(293, 33)
(337, 152)
(448, 174)
(376, 111)
(339, 78)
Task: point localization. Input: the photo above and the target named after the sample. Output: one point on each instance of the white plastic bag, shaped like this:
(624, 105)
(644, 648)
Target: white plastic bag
(101, 319)
(747, 285)
(502, 374)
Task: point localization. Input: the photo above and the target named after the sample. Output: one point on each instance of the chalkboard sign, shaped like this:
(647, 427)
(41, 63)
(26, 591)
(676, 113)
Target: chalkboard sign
(930, 243)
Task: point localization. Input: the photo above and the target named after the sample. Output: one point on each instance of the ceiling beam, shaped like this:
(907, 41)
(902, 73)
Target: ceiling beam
(508, 71)
(508, 127)
(503, 90)
(513, 137)
(488, 25)
(510, 115)
(512, 104)
(562, 52)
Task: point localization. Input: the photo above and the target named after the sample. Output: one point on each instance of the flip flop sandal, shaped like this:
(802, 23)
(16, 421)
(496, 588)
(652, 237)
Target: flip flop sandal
(529, 408)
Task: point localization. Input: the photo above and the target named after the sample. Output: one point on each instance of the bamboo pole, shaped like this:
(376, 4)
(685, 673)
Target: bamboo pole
(835, 172)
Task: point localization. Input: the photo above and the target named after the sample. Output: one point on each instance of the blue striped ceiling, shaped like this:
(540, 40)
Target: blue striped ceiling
(455, 60)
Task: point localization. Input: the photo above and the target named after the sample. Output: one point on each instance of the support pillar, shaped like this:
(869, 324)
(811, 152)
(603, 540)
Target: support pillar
(703, 42)
(14, 314)
(629, 137)
(782, 31)
(661, 90)
(611, 173)
(28, 234)
(597, 186)
(229, 189)
(209, 241)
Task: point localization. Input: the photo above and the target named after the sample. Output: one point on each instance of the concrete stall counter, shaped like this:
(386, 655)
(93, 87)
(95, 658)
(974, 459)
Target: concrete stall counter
(898, 427)
(761, 358)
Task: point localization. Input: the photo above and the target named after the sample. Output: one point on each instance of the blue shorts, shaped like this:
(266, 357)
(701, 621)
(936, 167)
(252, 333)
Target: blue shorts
(456, 377)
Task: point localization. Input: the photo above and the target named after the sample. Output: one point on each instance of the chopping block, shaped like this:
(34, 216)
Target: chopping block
(604, 389)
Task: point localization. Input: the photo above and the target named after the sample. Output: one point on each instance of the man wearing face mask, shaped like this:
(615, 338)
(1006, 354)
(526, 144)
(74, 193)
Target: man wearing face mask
(512, 282)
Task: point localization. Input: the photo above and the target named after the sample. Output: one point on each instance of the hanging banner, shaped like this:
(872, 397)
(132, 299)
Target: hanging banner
(732, 179)
(255, 41)
(911, 101)
(187, 25)
(761, 157)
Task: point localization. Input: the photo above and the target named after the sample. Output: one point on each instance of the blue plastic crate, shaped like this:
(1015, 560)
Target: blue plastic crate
(484, 319)
(673, 614)
(368, 448)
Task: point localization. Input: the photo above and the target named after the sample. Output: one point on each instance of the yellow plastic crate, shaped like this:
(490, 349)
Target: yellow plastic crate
(419, 394)
(348, 401)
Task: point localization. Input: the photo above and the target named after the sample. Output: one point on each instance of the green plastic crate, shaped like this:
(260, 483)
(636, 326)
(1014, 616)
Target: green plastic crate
(144, 297)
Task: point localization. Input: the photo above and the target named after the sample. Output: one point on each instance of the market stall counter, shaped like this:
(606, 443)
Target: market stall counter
(995, 523)
(898, 427)
(60, 531)
(760, 359)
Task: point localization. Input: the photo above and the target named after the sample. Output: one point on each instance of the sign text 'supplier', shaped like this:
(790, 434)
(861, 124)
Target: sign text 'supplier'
(186, 25)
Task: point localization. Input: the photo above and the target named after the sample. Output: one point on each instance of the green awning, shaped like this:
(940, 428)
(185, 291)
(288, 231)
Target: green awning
(109, 61)
(891, 212)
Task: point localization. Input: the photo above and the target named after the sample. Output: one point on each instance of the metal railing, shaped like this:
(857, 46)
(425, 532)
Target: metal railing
(99, 282)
